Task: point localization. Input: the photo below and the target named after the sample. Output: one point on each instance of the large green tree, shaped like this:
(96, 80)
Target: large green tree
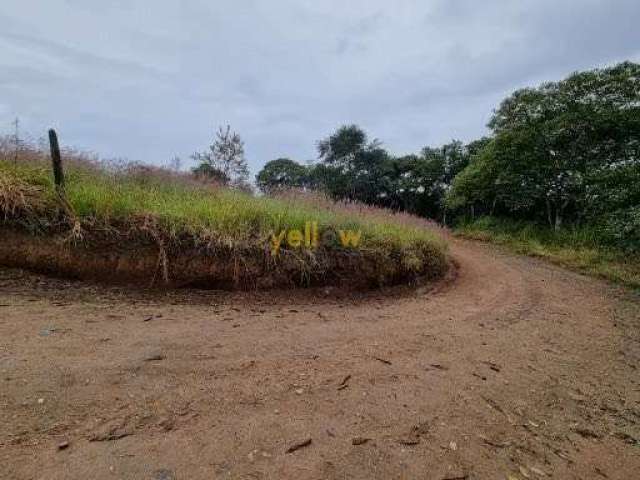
(553, 142)
(352, 167)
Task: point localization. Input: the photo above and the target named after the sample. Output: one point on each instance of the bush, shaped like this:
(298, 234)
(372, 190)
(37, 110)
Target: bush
(622, 229)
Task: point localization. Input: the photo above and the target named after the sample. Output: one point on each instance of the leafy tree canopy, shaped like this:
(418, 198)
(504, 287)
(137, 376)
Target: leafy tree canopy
(552, 143)
(282, 173)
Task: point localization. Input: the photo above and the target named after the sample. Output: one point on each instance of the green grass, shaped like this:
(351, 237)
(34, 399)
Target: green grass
(182, 207)
(182, 210)
(577, 248)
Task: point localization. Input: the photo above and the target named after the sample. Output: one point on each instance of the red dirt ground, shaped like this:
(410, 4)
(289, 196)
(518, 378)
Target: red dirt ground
(514, 370)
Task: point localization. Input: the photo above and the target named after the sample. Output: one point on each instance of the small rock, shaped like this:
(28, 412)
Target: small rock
(299, 391)
(40, 401)
(453, 446)
(359, 440)
(63, 445)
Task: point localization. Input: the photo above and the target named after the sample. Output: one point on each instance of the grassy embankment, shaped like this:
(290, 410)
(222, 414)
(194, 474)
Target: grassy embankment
(577, 248)
(154, 207)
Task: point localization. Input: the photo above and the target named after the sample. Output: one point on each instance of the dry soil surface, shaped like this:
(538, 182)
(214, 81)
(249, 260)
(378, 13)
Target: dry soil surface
(514, 370)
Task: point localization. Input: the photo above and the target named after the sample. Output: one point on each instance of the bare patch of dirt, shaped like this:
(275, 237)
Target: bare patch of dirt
(517, 369)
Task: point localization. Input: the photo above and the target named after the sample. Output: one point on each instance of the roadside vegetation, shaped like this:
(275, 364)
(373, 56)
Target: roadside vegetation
(111, 207)
(577, 248)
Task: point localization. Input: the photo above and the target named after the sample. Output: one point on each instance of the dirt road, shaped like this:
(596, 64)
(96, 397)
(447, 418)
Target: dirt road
(515, 370)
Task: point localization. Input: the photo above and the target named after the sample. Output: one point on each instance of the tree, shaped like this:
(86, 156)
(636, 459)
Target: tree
(371, 176)
(282, 173)
(424, 180)
(341, 148)
(475, 187)
(352, 167)
(551, 142)
(358, 169)
(224, 159)
(330, 179)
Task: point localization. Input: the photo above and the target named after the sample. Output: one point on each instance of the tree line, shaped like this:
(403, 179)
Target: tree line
(563, 153)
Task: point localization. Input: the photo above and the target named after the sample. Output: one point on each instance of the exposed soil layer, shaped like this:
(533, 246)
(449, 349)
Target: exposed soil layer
(124, 261)
(517, 369)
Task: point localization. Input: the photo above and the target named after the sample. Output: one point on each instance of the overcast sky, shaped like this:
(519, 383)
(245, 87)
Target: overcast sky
(148, 80)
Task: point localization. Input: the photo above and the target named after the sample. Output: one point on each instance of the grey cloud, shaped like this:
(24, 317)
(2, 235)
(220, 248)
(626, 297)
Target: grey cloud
(149, 81)
(80, 59)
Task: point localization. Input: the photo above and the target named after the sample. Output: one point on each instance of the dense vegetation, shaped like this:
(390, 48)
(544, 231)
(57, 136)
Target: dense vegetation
(565, 154)
(352, 167)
